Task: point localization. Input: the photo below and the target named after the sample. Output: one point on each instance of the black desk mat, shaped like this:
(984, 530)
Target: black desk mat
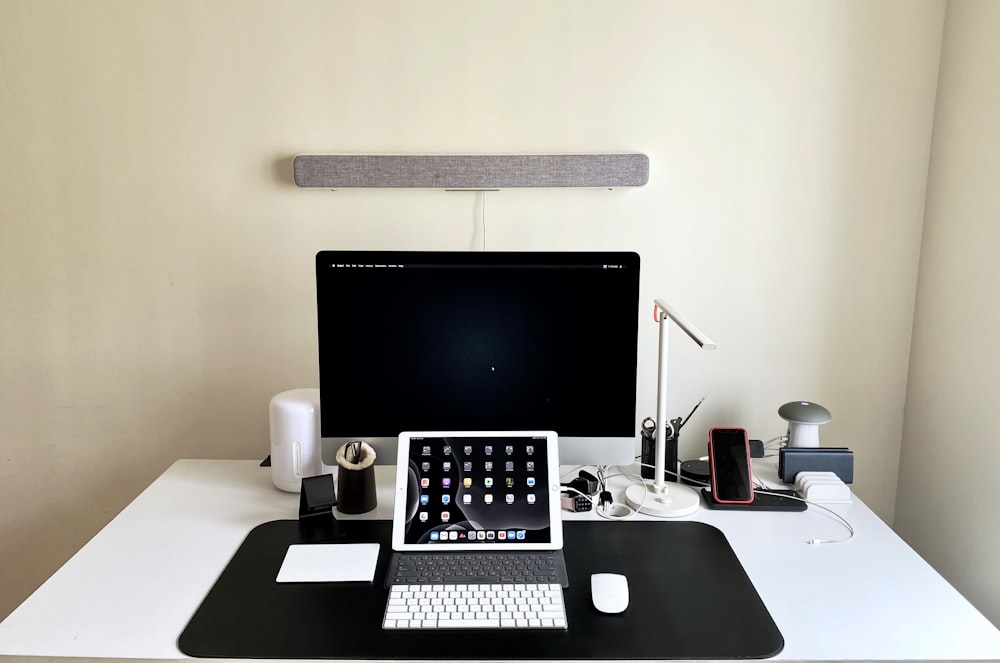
(689, 598)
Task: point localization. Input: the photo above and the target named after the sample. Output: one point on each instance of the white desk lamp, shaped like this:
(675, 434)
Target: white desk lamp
(658, 499)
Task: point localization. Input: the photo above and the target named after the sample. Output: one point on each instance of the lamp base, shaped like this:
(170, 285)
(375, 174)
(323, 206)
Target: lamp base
(675, 501)
(803, 435)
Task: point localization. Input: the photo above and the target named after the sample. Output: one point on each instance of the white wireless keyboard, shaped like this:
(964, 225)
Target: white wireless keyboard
(513, 606)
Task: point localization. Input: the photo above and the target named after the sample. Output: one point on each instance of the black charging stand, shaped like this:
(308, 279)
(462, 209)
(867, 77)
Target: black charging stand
(316, 502)
(772, 500)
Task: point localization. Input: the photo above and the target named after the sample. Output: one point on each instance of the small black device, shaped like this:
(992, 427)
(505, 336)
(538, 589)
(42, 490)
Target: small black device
(585, 483)
(695, 473)
(729, 461)
(839, 460)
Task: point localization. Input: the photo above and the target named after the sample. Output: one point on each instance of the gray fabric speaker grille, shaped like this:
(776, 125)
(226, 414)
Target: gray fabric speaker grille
(468, 171)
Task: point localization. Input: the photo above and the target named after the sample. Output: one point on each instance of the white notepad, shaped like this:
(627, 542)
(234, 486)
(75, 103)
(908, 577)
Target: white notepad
(336, 562)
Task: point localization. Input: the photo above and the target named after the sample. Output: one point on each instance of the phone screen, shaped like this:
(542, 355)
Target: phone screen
(730, 460)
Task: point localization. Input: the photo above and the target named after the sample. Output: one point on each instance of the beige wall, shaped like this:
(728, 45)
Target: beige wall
(156, 281)
(947, 502)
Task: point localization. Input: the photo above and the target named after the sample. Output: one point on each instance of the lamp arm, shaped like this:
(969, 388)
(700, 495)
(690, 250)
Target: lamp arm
(696, 334)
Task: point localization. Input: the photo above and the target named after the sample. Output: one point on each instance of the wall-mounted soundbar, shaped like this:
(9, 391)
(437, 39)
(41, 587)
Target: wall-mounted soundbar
(470, 171)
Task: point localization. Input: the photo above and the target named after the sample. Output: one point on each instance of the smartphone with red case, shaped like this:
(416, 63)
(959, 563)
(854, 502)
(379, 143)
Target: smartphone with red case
(729, 463)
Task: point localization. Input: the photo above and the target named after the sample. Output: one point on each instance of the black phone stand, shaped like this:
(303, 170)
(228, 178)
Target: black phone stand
(316, 502)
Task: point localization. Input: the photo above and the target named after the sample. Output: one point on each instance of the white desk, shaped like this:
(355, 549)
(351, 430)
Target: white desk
(132, 589)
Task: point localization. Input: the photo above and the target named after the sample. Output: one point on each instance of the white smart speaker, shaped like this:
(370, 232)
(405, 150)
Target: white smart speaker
(295, 440)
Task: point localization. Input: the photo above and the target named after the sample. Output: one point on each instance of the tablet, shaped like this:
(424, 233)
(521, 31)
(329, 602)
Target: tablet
(477, 490)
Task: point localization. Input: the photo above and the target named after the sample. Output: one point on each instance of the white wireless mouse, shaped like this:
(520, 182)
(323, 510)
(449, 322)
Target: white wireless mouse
(609, 591)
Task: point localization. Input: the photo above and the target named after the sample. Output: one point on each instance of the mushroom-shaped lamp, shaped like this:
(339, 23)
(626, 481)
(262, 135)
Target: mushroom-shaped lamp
(804, 419)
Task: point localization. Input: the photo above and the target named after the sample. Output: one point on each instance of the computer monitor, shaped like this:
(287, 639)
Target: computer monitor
(479, 341)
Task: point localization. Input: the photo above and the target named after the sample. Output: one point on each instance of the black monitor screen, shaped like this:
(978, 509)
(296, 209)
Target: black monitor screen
(412, 341)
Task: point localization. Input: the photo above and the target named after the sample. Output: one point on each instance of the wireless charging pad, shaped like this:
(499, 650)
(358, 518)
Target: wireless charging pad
(770, 501)
(695, 473)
